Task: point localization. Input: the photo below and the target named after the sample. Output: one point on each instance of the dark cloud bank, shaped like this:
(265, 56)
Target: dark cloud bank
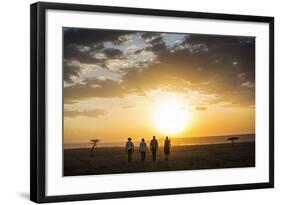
(86, 113)
(210, 64)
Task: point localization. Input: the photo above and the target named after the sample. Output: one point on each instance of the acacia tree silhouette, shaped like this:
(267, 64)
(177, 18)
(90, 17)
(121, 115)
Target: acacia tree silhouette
(232, 139)
(94, 143)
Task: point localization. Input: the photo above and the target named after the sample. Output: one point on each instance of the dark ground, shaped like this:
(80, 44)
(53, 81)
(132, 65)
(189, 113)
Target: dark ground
(114, 160)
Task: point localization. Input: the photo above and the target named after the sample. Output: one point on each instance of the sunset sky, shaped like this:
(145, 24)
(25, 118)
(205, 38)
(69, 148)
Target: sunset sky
(132, 83)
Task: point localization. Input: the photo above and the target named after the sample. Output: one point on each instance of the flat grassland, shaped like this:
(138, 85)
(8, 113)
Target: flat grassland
(113, 160)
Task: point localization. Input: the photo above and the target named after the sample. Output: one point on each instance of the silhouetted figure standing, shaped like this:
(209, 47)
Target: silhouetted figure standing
(167, 146)
(129, 148)
(153, 148)
(143, 149)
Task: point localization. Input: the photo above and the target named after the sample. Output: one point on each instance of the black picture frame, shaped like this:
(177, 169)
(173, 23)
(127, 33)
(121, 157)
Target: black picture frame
(38, 103)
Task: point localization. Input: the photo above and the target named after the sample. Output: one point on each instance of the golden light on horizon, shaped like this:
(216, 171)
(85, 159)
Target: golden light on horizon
(171, 117)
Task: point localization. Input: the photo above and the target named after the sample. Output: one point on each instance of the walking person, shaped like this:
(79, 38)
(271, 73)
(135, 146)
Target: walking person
(143, 149)
(154, 148)
(129, 148)
(167, 146)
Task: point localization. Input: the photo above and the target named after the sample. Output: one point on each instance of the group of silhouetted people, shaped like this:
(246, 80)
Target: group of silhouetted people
(129, 148)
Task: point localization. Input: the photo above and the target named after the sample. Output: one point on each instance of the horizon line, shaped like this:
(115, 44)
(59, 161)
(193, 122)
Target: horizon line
(202, 136)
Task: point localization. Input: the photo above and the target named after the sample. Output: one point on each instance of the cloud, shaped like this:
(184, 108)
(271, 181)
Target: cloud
(96, 113)
(201, 108)
(86, 46)
(127, 106)
(112, 53)
(109, 51)
(89, 37)
(107, 89)
(223, 66)
(71, 69)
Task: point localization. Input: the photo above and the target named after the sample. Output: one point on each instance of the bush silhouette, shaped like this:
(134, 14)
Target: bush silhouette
(233, 139)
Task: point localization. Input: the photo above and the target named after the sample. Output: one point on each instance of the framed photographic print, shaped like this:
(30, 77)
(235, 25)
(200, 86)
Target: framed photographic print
(129, 102)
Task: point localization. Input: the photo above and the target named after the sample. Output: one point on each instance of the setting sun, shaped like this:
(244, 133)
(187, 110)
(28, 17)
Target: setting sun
(171, 117)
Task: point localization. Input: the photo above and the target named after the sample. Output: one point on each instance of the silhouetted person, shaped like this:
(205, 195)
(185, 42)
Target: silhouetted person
(129, 149)
(167, 146)
(143, 149)
(153, 148)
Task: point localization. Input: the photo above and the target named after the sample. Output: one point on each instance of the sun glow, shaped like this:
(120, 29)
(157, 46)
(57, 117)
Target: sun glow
(171, 117)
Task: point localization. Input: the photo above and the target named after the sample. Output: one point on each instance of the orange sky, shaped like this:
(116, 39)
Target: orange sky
(134, 116)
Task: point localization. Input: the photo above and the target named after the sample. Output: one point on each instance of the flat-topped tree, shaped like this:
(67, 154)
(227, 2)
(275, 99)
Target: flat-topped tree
(94, 143)
(233, 139)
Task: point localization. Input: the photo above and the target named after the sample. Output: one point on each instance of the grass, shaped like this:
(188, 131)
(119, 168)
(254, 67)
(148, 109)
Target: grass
(114, 160)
